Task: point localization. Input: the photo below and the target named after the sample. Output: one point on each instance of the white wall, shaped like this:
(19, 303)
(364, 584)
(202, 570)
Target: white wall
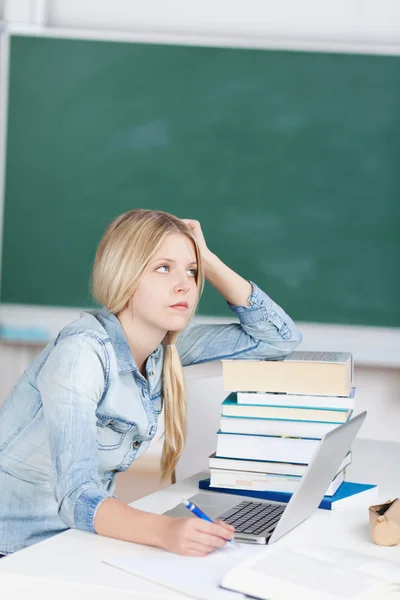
(362, 21)
(378, 391)
(341, 20)
(362, 25)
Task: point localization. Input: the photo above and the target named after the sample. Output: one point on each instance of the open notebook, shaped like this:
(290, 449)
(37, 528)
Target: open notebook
(316, 573)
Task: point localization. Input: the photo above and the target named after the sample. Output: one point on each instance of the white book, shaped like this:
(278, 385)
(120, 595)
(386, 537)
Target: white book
(297, 400)
(316, 573)
(263, 447)
(265, 466)
(277, 427)
(263, 482)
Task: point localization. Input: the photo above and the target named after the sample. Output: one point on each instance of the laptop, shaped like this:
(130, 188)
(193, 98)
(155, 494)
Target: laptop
(261, 522)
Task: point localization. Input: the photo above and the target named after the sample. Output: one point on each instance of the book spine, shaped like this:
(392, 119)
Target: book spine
(286, 413)
(276, 427)
(271, 467)
(204, 484)
(263, 447)
(284, 407)
(313, 377)
(300, 440)
(297, 400)
(279, 468)
(285, 420)
(259, 482)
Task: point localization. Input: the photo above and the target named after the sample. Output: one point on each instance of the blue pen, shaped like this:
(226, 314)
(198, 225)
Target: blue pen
(199, 513)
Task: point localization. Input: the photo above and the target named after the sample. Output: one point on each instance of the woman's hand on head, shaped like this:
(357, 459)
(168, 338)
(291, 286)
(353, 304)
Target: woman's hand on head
(195, 227)
(190, 536)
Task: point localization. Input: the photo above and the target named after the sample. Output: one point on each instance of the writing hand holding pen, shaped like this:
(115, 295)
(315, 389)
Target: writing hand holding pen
(199, 513)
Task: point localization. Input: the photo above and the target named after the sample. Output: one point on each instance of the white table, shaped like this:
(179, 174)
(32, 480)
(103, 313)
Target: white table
(76, 556)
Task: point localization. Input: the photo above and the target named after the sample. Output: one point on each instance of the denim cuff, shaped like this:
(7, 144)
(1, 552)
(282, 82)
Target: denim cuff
(86, 507)
(260, 304)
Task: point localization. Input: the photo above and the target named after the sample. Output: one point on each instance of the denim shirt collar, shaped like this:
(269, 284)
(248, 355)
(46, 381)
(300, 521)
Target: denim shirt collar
(123, 354)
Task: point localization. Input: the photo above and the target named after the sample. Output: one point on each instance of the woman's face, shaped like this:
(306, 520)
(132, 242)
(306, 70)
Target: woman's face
(167, 293)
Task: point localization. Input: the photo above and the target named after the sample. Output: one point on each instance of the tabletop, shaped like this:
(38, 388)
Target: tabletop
(77, 557)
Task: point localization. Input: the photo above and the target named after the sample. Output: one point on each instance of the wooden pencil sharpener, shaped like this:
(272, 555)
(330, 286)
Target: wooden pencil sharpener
(384, 521)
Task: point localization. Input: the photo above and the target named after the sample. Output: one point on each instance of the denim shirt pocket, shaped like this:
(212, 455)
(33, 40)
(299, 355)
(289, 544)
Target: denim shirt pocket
(111, 431)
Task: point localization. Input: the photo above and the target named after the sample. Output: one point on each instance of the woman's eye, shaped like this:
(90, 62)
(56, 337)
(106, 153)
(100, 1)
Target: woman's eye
(192, 272)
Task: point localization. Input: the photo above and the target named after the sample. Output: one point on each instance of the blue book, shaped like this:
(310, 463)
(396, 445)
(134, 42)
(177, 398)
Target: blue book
(349, 495)
(231, 408)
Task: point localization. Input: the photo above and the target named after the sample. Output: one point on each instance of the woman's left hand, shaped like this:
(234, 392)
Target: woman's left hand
(195, 227)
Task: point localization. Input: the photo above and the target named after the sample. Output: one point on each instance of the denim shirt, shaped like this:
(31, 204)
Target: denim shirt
(82, 412)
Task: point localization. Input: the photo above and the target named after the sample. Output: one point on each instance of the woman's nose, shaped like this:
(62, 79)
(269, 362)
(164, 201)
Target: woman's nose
(182, 282)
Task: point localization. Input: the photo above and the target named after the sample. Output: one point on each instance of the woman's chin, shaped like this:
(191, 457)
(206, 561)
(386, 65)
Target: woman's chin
(178, 324)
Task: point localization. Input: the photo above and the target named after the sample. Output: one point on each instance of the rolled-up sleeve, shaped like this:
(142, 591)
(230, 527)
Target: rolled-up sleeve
(71, 383)
(264, 331)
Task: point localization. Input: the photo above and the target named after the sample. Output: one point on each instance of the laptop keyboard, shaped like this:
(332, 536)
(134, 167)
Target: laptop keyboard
(252, 517)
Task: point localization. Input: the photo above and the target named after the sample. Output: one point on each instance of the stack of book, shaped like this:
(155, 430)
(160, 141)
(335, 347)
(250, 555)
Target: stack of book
(273, 422)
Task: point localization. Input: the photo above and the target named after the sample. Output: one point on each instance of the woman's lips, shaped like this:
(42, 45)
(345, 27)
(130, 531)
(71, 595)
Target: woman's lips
(180, 306)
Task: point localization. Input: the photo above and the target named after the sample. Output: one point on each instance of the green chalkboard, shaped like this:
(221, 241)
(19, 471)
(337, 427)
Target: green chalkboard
(290, 160)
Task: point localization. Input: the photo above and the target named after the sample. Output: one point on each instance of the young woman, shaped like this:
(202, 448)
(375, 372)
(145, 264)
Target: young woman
(88, 405)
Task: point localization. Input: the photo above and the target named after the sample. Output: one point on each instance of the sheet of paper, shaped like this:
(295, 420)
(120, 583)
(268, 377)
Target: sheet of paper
(196, 577)
(15, 585)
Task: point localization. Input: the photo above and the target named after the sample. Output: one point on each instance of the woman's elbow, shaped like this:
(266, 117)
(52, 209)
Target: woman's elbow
(286, 345)
(296, 338)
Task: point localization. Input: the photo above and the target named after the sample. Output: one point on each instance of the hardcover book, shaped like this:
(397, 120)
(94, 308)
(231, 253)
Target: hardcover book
(263, 482)
(277, 427)
(298, 400)
(349, 495)
(323, 373)
(231, 408)
(266, 447)
(266, 466)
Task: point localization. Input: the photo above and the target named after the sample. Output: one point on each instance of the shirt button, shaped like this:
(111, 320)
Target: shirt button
(136, 444)
(151, 373)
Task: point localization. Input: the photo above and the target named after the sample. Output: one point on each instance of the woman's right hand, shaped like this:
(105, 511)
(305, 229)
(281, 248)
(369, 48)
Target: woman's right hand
(195, 537)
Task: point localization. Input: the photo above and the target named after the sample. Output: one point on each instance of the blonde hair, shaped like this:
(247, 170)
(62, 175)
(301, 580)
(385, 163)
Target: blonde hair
(124, 252)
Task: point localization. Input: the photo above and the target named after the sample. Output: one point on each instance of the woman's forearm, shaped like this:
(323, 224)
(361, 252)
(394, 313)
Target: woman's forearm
(117, 520)
(188, 536)
(234, 288)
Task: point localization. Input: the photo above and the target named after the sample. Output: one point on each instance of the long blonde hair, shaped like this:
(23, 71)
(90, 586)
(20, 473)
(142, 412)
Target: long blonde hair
(124, 252)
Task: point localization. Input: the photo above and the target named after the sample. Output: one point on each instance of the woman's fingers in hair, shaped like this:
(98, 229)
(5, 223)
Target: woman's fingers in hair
(195, 227)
